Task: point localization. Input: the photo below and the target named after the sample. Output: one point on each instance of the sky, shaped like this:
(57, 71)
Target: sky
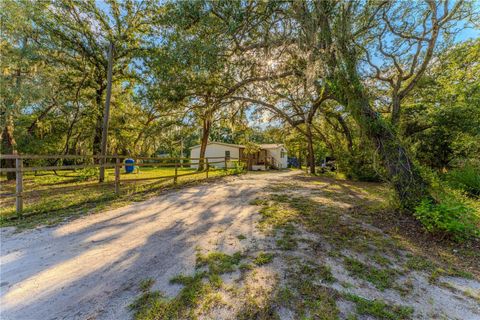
(467, 34)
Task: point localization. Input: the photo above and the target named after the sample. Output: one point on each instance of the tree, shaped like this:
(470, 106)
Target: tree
(196, 67)
(441, 118)
(76, 35)
(405, 39)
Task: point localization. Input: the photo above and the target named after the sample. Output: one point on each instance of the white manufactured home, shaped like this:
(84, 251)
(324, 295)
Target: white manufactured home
(270, 155)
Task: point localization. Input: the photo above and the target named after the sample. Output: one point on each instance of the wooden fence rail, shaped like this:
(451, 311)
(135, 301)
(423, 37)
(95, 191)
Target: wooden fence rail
(117, 165)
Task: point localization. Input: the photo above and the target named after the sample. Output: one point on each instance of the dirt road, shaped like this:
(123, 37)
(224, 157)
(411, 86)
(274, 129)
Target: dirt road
(90, 268)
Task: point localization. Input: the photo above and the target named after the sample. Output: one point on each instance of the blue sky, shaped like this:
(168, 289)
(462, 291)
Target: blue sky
(467, 34)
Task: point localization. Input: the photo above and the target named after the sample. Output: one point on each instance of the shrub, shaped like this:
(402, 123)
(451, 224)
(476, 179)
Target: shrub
(466, 179)
(360, 166)
(88, 174)
(450, 215)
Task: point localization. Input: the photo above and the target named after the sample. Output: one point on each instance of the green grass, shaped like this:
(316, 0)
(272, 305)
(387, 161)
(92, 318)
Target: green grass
(381, 278)
(155, 306)
(198, 293)
(263, 258)
(380, 309)
(287, 241)
(219, 262)
(435, 271)
(241, 237)
(51, 198)
(304, 292)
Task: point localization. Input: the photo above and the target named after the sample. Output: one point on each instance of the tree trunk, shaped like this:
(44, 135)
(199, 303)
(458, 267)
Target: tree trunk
(207, 123)
(97, 138)
(400, 169)
(9, 145)
(346, 132)
(395, 111)
(310, 151)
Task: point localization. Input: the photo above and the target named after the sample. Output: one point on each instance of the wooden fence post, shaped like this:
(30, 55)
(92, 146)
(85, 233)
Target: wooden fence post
(208, 166)
(117, 175)
(19, 186)
(225, 163)
(176, 172)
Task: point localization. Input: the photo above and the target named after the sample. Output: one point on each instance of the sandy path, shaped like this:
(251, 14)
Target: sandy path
(90, 268)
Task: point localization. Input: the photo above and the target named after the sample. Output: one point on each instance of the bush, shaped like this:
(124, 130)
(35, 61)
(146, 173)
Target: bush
(466, 179)
(450, 215)
(359, 166)
(88, 174)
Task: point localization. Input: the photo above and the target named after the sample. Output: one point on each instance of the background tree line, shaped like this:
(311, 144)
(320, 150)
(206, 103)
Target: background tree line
(381, 86)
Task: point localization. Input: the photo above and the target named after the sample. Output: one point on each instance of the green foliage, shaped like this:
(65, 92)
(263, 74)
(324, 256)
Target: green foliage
(466, 179)
(441, 120)
(88, 174)
(450, 215)
(359, 166)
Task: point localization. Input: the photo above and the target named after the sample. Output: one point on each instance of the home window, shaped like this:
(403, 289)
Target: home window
(282, 154)
(227, 155)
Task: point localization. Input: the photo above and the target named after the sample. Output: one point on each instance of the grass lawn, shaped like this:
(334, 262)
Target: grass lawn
(49, 197)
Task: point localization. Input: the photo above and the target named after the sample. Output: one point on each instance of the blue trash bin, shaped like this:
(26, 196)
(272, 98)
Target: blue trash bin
(129, 165)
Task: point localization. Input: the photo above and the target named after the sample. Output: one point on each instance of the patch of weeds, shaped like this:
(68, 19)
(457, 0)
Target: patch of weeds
(258, 202)
(263, 258)
(281, 187)
(467, 293)
(473, 295)
(219, 262)
(196, 296)
(317, 272)
(146, 284)
(448, 286)
(380, 309)
(153, 305)
(241, 237)
(254, 308)
(215, 280)
(147, 299)
(381, 278)
(437, 273)
(211, 301)
(453, 272)
(287, 241)
(419, 264)
(347, 285)
(194, 288)
(406, 288)
(275, 216)
(315, 301)
(380, 259)
(245, 266)
(304, 295)
(285, 295)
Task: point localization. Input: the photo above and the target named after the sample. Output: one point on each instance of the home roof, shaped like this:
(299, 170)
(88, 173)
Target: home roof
(262, 146)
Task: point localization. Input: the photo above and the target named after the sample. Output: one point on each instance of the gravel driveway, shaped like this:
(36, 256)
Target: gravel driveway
(90, 268)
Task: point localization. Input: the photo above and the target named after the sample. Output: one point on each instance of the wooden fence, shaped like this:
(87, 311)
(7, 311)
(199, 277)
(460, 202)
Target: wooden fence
(111, 161)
